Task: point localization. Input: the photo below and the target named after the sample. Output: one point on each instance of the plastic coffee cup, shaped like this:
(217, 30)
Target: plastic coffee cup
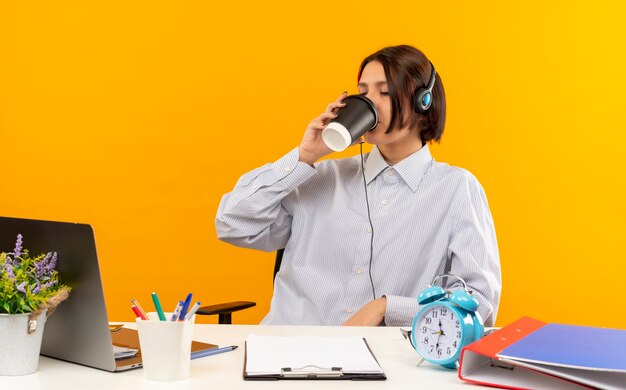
(356, 118)
(165, 347)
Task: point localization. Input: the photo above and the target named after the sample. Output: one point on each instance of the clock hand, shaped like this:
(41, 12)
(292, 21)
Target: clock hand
(441, 332)
(438, 337)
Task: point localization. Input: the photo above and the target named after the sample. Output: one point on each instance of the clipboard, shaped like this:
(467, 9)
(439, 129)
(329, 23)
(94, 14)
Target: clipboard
(348, 358)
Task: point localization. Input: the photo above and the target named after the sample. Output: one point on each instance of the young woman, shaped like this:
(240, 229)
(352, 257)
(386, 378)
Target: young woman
(362, 239)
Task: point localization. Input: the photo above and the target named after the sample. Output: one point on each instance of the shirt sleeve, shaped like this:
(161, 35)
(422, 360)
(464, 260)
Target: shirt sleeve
(400, 310)
(472, 255)
(251, 215)
(473, 250)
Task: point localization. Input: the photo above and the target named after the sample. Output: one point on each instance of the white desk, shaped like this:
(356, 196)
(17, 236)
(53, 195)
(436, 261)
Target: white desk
(224, 371)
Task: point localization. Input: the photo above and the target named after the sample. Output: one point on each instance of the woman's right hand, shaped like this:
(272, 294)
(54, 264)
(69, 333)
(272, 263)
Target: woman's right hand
(312, 146)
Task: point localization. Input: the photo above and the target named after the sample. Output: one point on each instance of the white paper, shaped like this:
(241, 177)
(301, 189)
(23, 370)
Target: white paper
(268, 355)
(124, 352)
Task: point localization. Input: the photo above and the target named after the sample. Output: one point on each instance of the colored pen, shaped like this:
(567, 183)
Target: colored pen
(176, 311)
(212, 351)
(138, 312)
(158, 307)
(193, 311)
(183, 311)
(136, 303)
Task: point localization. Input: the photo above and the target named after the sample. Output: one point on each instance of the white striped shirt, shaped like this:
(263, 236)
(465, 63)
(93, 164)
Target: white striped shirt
(429, 218)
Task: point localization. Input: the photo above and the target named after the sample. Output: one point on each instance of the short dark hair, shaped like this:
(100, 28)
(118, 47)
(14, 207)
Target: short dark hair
(407, 69)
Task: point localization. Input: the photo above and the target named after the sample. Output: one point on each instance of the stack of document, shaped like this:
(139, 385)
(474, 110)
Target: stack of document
(310, 357)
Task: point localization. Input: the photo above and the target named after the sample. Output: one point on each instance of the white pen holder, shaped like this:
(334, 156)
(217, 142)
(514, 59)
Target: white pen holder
(165, 347)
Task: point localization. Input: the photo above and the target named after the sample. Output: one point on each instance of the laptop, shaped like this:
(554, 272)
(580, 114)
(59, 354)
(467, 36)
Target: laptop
(78, 331)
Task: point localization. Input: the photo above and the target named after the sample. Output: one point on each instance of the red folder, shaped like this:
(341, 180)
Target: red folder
(531, 354)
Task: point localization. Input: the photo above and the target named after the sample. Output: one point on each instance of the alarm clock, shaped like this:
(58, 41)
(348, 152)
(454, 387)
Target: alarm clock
(446, 322)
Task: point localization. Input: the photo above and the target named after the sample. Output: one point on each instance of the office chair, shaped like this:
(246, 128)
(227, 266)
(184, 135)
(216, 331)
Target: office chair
(225, 310)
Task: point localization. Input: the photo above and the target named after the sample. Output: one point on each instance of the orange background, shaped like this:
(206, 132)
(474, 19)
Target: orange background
(137, 116)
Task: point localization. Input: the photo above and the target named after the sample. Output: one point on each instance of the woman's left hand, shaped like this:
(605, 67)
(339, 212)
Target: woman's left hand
(371, 314)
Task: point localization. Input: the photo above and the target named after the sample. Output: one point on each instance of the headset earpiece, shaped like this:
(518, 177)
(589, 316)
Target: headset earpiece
(423, 97)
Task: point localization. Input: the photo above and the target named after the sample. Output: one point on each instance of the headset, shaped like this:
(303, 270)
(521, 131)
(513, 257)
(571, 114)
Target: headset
(422, 100)
(423, 97)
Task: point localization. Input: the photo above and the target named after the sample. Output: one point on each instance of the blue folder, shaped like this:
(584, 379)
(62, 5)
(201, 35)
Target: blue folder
(572, 346)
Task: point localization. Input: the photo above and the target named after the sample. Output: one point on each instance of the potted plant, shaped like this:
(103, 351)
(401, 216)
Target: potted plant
(29, 292)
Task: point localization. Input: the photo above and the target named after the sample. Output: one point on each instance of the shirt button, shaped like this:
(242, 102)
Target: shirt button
(359, 270)
(369, 229)
(349, 310)
(384, 201)
(287, 169)
(391, 173)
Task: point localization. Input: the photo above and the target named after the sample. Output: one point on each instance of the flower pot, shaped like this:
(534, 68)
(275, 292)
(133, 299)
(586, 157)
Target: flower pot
(20, 343)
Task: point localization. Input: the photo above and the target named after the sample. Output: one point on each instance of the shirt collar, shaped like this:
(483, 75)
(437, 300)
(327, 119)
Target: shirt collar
(411, 169)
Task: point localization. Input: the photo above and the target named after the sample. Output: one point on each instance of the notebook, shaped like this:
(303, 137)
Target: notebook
(78, 331)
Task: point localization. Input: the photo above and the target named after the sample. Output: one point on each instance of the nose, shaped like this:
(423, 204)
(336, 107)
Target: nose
(371, 96)
(377, 106)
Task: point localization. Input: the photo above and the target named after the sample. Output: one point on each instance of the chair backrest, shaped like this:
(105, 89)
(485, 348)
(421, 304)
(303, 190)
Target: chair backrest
(279, 259)
(225, 310)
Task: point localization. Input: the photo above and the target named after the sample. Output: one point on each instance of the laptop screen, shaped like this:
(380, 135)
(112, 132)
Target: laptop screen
(78, 330)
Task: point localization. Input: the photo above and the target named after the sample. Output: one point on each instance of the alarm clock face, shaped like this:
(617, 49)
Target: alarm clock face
(438, 333)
